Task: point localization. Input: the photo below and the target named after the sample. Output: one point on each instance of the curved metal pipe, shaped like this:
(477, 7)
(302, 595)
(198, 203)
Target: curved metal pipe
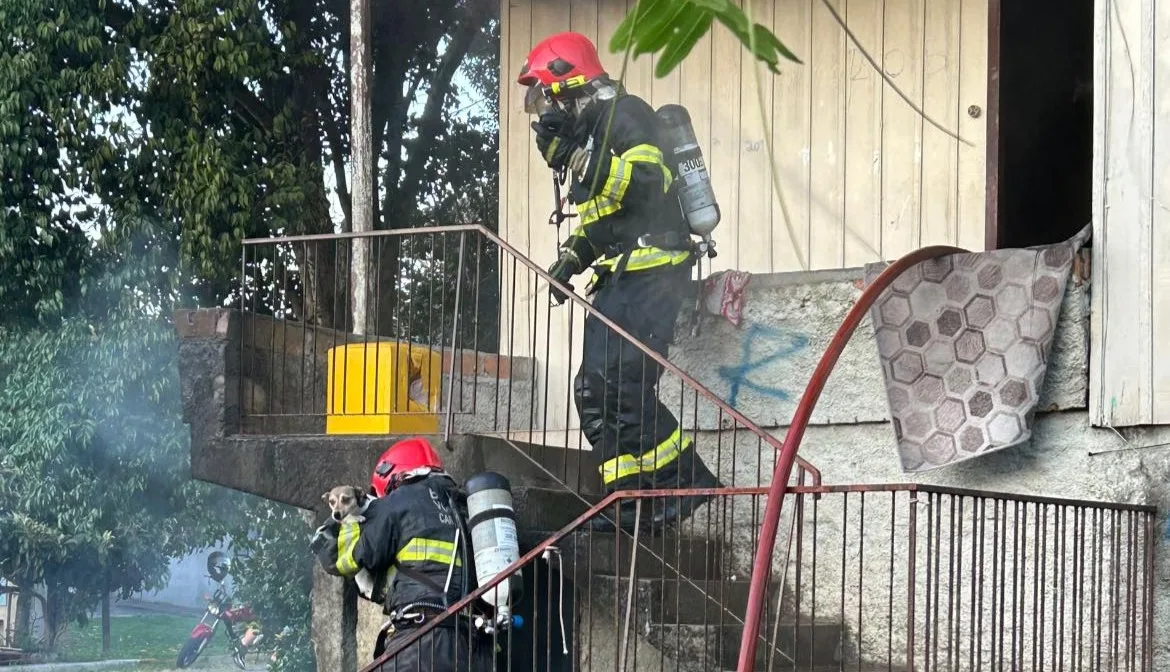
(762, 565)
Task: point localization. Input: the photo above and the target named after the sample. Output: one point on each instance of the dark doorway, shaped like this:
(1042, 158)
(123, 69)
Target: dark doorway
(1045, 121)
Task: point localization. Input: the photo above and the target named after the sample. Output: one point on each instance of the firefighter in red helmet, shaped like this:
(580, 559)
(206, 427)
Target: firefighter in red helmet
(407, 542)
(634, 234)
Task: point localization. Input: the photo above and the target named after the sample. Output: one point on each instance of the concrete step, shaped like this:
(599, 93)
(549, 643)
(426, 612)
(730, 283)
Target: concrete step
(544, 510)
(717, 646)
(675, 600)
(666, 557)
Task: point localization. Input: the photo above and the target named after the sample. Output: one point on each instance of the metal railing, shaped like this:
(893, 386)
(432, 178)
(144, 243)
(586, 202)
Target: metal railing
(625, 601)
(883, 577)
(459, 337)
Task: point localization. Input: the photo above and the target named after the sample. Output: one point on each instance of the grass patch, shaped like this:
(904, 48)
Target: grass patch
(155, 636)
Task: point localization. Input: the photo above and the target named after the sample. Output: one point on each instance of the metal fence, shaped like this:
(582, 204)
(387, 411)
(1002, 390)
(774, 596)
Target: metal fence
(883, 577)
(458, 337)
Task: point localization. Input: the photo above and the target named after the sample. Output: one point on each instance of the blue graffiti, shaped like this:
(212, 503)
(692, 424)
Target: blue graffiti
(751, 360)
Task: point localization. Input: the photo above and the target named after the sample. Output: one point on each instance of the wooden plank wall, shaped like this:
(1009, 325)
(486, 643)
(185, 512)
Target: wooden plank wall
(863, 175)
(1130, 357)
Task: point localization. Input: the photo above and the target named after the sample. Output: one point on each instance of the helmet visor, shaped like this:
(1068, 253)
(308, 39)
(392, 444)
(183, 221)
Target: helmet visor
(535, 102)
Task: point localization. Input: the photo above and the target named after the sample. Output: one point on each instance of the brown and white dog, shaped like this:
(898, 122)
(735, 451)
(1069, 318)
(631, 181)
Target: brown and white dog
(348, 504)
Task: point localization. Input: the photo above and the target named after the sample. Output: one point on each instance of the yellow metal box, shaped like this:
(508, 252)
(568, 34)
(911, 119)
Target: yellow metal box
(383, 387)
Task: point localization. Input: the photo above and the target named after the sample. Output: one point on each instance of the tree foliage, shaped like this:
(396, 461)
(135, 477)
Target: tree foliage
(671, 28)
(274, 575)
(139, 143)
(94, 478)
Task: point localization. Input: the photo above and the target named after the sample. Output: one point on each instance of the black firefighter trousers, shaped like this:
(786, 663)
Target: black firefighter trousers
(637, 438)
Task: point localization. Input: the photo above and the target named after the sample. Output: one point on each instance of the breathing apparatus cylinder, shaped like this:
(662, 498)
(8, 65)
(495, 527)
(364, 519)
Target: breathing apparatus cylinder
(695, 193)
(494, 539)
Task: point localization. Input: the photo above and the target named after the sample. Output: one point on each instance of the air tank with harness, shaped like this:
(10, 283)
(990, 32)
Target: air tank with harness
(684, 157)
(495, 544)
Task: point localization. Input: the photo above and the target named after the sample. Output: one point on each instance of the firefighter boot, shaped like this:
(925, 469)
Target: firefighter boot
(627, 515)
(677, 509)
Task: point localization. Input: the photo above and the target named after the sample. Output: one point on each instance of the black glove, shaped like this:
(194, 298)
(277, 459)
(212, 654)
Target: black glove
(564, 269)
(554, 139)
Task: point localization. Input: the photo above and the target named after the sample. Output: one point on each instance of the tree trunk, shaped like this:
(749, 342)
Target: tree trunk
(22, 629)
(317, 260)
(106, 618)
(55, 613)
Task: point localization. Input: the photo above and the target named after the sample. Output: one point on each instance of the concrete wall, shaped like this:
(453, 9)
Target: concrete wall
(762, 367)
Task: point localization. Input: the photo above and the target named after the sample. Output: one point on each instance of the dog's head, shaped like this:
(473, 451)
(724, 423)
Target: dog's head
(344, 500)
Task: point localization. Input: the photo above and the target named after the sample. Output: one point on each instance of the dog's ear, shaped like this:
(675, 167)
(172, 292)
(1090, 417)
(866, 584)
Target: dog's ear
(325, 497)
(360, 492)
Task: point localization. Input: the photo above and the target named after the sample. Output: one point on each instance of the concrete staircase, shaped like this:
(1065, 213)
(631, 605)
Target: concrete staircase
(686, 608)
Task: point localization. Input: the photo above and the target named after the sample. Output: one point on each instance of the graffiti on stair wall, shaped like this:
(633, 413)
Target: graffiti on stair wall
(761, 362)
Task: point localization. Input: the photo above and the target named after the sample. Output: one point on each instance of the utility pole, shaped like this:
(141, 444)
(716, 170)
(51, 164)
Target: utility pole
(361, 157)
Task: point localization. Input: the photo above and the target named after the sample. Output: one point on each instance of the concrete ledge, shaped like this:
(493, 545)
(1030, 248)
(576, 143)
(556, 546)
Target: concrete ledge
(256, 374)
(295, 470)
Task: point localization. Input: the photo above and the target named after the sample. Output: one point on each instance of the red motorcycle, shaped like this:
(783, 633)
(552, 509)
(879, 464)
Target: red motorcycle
(219, 609)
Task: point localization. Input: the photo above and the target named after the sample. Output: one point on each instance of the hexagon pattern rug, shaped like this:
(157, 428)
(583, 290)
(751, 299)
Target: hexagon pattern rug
(964, 341)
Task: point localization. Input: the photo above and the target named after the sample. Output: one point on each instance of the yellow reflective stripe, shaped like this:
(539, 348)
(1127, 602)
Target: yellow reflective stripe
(627, 465)
(619, 467)
(595, 208)
(617, 182)
(347, 539)
(648, 257)
(432, 550)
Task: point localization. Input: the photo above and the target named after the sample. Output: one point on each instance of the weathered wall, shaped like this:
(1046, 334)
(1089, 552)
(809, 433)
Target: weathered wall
(1131, 221)
(761, 368)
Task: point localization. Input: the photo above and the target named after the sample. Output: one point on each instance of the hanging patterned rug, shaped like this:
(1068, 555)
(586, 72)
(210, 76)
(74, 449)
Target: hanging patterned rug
(964, 342)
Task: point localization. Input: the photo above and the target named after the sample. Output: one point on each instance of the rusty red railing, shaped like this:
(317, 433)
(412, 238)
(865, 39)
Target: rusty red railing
(883, 577)
(788, 452)
(458, 337)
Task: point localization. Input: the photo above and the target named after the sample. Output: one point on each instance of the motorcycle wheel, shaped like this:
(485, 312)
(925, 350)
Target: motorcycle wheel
(191, 650)
(238, 658)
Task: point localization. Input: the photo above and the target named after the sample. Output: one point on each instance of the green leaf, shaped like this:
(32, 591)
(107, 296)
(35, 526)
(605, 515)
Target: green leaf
(671, 29)
(675, 52)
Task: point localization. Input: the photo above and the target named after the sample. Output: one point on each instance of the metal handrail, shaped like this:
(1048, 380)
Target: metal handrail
(762, 565)
(715, 399)
(538, 550)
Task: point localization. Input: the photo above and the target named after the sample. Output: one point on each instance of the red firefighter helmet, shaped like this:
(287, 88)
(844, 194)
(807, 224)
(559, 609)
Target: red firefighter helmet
(561, 62)
(400, 459)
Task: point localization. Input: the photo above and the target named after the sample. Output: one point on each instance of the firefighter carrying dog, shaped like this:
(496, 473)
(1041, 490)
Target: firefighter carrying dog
(413, 541)
(635, 235)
